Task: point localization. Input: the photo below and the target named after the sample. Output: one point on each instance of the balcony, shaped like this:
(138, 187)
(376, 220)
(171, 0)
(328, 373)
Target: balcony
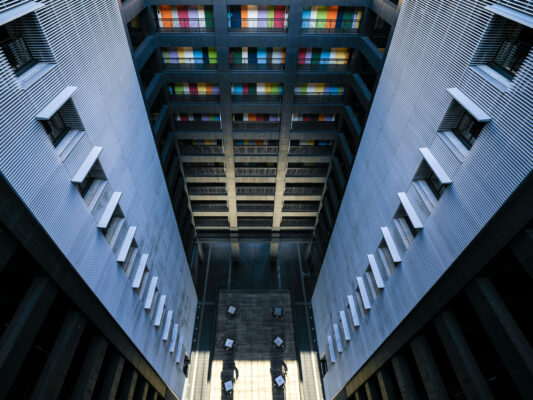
(278, 25)
(307, 172)
(314, 125)
(209, 206)
(303, 190)
(191, 150)
(18, 54)
(253, 150)
(204, 171)
(200, 98)
(211, 221)
(189, 63)
(251, 171)
(329, 26)
(212, 189)
(323, 64)
(310, 150)
(297, 221)
(250, 206)
(174, 25)
(197, 125)
(252, 190)
(251, 221)
(290, 206)
(256, 125)
(318, 98)
(267, 98)
(258, 64)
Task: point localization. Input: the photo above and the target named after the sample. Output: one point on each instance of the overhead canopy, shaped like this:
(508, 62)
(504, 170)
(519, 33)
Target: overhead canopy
(513, 15)
(469, 105)
(19, 11)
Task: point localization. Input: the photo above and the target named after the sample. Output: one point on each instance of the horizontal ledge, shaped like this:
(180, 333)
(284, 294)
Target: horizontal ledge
(58, 101)
(410, 211)
(509, 13)
(469, 105)
(86, 166)
(140, 271)
(375, 271)
(391, 245)
(126, 244)
(435, 166)
(109, 210)
(19, 11)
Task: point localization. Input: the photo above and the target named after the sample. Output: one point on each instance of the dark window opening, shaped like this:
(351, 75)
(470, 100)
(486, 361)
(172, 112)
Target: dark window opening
(56, 128)
(186, 362)
(513, 50)
(435, 185)
(323, 366)
(467, 129)
(16, 51)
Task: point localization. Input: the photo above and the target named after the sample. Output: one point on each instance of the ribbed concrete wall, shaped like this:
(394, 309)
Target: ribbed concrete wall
(89, 46)
(432, 50)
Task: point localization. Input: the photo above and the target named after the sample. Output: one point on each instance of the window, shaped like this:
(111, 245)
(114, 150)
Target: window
(323, 365)
(467, 129)
(513, 49)
(16, 51)
(186, 362)
(95, 174)
(506, 43)
(436, 186)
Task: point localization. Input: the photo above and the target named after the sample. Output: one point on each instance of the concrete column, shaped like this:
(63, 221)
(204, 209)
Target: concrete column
(371, 390)
(506, 336)
(344, 149)
(404, 378)
(427, 367)
(22, 329)
(465, 366)
(386, 385)
(84, 388)
(57, 365)
(128, 384)
(8, 245)
(112, 378)
(141, 392)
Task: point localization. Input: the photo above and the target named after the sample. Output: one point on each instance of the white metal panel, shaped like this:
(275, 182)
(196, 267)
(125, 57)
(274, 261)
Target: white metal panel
(174, 338)
(56, 103)
(109, 210)
(509, 13)
(353, 311)
(338, 340)
(410, 210)
(363, 292)
(166, 327)
(19, 11)
(345, 327)
(332, 355)
(391, 245)
(375, 271)
(86, 166)
(160, 308)
(126, 244)
(469, 105)
(180, 348)
(435, 166)
(151, 292)
(140, 271)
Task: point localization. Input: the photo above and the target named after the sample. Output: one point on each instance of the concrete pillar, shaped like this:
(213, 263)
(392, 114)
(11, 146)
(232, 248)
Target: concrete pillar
(129, 381)
(386, 385)
(57, 365)
(404, 377)
(84, 388)
(112, 378)
(22, 329)
(427, 367)
(141, 391)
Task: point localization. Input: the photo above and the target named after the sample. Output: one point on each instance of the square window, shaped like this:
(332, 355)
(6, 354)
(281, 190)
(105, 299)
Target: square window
(16, 50)
(56, 127)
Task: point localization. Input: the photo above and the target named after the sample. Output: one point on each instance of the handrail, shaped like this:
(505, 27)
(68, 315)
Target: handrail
(185, 24)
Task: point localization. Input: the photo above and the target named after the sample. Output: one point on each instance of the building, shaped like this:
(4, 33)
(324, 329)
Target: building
(257, 110)
(266, 199)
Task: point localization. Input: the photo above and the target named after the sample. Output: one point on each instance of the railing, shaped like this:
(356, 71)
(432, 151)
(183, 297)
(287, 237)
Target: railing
(255, 125)
(253, 171)
(303, 207)
(185, 24)
(329, 64)
(209, 207)
(318, 98)
(329, 26)
(255, 191)
(255, 206)
(510, 57)
(204, 171)
(319, 172)
(18, 54)
(192, 149)
(296, 221)
(314, 125)
(310, 150)
(207, 190)
(255, 149)
(258, 24)
(250, 221)
(199, 125)
(267, 98)
(303, 191)
(258, 64)
(203, 221)
(189, 63)
(196, 98)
